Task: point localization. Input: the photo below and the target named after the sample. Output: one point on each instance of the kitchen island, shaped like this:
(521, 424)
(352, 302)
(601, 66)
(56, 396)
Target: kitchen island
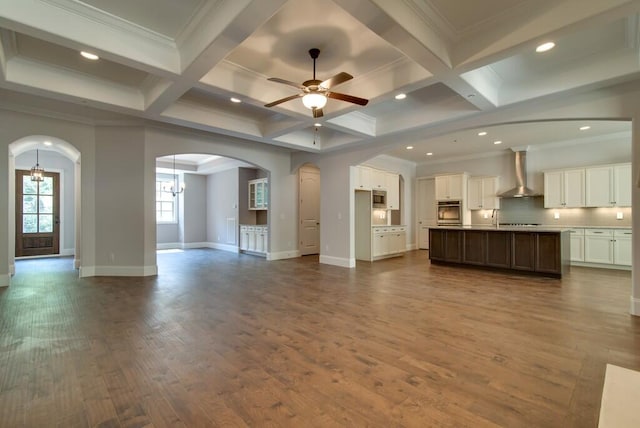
(536, 250)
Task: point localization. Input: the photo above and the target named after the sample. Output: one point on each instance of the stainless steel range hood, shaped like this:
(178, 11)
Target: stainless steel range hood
(521, 190)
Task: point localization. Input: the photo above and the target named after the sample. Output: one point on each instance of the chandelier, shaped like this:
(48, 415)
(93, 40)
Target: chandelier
(173, 187)
(37, 172)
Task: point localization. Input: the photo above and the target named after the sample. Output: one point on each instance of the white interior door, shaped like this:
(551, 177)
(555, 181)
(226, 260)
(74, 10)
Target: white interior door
(426, 202)
(309, 209)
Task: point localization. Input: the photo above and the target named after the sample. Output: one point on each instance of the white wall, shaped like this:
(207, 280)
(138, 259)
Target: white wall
(55, 162)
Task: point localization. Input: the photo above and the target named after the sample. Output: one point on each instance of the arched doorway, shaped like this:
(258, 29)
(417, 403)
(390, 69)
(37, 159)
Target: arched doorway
(59, 158)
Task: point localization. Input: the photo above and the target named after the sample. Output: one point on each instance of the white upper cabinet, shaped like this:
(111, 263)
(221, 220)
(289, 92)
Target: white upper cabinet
(259, 194)
(451, 187)
(392, 183)
(608, 186)
(564, 189)
(362, 176)
(481, 192)
(378, 179)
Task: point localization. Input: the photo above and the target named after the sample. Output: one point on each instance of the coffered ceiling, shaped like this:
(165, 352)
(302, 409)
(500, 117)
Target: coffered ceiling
(180, 62)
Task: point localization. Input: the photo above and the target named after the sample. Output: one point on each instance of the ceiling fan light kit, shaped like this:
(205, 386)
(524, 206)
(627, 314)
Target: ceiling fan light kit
(315, 92)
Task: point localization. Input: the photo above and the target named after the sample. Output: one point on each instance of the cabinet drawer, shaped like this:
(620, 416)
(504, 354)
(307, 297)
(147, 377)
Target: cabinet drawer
(623, 233)
(576, 232)
(598, 232)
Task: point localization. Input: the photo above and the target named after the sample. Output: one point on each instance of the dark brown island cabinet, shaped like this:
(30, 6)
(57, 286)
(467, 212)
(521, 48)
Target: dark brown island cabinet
(531, 250)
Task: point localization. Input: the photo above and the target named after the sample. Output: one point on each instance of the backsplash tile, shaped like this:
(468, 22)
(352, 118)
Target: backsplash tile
(532, 210)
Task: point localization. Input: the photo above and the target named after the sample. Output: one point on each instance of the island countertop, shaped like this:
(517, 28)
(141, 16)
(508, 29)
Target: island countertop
(506, 228)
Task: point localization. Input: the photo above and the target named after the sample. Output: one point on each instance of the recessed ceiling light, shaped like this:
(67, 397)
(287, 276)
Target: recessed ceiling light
(409, 147)
(584, 128)
(47, 143)
(429, 154)
(235, 100)
(317, 124)
(401, 96)
(497, 142)
(482, 133)
(89, 55)
(545, 47)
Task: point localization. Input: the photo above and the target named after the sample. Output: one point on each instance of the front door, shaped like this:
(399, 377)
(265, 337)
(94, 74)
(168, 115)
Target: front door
(37, 216)
(309, 210)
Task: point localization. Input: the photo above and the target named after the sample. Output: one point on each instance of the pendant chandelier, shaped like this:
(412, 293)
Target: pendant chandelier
(172, 187)
(37, 173)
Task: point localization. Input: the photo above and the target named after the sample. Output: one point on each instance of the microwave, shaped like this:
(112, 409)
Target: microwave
(379, 199)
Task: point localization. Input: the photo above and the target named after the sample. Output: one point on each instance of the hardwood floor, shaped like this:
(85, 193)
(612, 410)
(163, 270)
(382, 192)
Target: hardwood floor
(220, 339)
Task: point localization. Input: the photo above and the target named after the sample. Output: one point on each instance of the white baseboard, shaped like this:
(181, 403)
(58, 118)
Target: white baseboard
(76, 263)
(338, 261)
(600, 265)
(67, 252)
(223, 247)
(87, 271)
(5, 280)
(635, 306)
(281, 255)
(12, 269)
(168, 246)
(189, 245)
(412, 247)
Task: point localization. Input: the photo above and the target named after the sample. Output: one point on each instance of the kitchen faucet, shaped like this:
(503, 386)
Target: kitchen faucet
(495, 214)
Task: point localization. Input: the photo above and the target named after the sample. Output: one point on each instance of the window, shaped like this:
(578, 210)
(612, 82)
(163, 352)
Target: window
(166, 203)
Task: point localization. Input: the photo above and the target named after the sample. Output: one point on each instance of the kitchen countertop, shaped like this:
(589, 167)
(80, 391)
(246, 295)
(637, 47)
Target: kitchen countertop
(388, 225)
(506, 228)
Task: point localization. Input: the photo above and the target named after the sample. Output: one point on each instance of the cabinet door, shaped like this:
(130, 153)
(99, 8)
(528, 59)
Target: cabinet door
(244, 238)
(599, 186)
(622, 248)
(442, 188)
(379, 244)
(259, 240)
(251, 232)
(456, 187)
(363, 178)
(252, 195)
(378, 179)
(622, 185)
(489, 191)
(574, 188)
(554, 189)
(453, 246)
(393, 190)
(548, 253)
(499, 249)
(475, 194)
(577, 245)
(523, 247)
(475, 246)
(437, 239)
(598, 247)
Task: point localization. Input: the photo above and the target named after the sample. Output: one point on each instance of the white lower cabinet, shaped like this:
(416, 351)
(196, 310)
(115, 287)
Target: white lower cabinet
(622, 247)
(577, 245)
(254, 239)
(605, 247)
(388, 241)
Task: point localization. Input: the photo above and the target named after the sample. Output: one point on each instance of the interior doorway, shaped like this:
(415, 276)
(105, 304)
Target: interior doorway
(37, 214)
(309, 210)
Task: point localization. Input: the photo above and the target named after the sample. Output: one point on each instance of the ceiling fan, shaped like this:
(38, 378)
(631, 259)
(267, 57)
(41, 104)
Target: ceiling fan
(315, 92)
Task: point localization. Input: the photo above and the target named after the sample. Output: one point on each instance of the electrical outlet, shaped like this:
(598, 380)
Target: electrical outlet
(556, 215)
(619, 215)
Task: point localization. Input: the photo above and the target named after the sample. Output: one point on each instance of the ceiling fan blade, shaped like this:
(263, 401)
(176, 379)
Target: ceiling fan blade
(348, 98)
(286, 82)
(336, 80)
(283, 100)
(317, 112)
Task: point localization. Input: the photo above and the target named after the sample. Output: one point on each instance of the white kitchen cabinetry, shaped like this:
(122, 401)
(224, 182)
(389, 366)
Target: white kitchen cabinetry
(392, 184)
(577, 245)
(254, 239)
(482, 193)
(598, 246)
(622, 247)
(451, 187)
(259, 194)
(388, 241)
(608, 186)
(564, 189)
(378, 179)
(362, 176)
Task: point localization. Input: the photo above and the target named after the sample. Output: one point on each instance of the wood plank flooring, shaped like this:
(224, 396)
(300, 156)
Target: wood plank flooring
(229, 340)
